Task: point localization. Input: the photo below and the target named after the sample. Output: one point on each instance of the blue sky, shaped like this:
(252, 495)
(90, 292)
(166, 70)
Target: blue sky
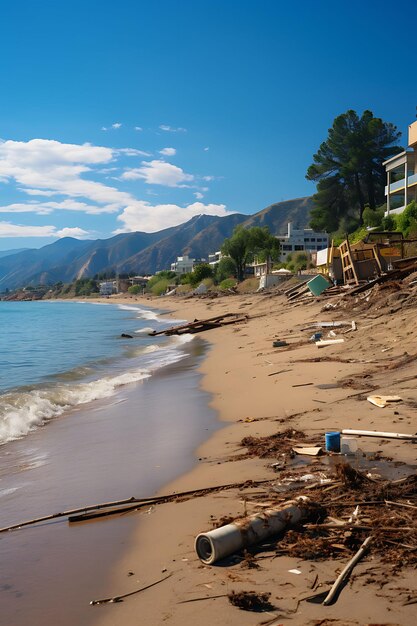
(137, 115)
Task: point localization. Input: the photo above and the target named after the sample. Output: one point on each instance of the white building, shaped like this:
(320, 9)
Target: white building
(301, 240)
(214, 258)
(183, 265)
(401, 169)
(108, 287)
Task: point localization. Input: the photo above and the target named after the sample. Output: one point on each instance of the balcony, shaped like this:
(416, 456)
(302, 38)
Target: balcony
(400, 184)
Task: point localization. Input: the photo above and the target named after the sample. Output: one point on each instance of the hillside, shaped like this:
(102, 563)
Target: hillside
(141, 253)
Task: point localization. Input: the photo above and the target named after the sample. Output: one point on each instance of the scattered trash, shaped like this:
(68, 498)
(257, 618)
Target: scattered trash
(348, 445)
(318, 284)
(332, 440)
(220, 543)
(345, 573)
(199, 326)
(353, 519)
(294, 571)
(302, 385)
(328, 342)
(332, 334)
(316, 337)
(279, 344)
(376, 433)
(131, 593)
(308, 450)
(294, 482)
(383, 401)
(250, 600)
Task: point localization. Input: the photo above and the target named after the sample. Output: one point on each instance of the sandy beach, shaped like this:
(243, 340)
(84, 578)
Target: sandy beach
(258, 391)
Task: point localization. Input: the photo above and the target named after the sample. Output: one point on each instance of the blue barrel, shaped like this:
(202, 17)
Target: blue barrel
(332, 441)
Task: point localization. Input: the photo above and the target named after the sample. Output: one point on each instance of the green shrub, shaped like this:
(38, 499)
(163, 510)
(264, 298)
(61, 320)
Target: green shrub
(227, 283)
(407, 217)
(134, 289)
(373, 219)
(159, 288)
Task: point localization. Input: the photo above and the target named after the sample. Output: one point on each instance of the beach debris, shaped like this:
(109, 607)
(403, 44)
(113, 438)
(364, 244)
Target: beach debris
(220, 543)
(302, 385)
(294, 571)
(279, 344)
(295, 482)
(377, 433)
(308, 450)
(316, 337)
(332, 440)
(181, 496)
(383, 401)
(198, 326)
(272, 445)
(351, 325)
(250, 600)
(348, 445)
(318, 284)
(328, 342)
(131, 593)
(345, 573)
(279, 372)
(201, 598)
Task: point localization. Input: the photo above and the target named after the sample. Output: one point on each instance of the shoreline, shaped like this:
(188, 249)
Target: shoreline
(117, 447)
(256, 391)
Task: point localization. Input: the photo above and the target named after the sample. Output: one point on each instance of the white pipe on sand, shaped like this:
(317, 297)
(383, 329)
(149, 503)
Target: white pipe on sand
(222, 542)
(377, 433)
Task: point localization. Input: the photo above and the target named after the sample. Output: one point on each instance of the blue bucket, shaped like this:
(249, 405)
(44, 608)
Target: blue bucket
(332, 442)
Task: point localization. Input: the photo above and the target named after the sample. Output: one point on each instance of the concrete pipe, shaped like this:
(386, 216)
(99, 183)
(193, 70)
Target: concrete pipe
(222, 542)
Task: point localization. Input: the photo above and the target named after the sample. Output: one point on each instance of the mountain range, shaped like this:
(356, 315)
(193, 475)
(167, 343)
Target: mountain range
(140, 253)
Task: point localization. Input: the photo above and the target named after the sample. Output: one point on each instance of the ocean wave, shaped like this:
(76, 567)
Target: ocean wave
(25, 409)
(22, 412)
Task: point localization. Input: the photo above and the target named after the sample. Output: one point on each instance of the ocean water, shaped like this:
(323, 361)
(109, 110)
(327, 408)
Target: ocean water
(58, 355)
(86, 417)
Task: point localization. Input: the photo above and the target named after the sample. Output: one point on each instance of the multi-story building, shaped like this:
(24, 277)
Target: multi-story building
(401, 171)
(301, 240)
(183, 265)
(214, 258)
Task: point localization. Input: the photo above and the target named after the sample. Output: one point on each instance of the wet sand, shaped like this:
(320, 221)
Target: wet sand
(252, 398)
(127, 446)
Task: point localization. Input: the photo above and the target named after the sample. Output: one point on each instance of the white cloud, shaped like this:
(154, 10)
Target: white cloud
(8, 229)
(76, 232)
(131, 152)
(159, 173)
(138, 128)
(171, 129)
(104, 128)
(116, 125)
(168, 151)
(206, 149)
(208, 178)
(47, 167)
(45, 208)
(143, 216)
(199, 195)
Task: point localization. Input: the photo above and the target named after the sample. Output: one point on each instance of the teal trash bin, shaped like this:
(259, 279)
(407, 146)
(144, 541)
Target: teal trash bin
(318, 284)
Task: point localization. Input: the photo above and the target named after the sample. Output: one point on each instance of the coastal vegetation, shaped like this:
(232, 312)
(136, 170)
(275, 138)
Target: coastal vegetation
(349, 172)
(246, 243)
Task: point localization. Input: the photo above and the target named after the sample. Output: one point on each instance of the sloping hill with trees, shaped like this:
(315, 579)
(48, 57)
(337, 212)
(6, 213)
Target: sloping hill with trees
(69, 259)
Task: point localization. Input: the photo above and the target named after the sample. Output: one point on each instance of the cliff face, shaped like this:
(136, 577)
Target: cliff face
(141, 253)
